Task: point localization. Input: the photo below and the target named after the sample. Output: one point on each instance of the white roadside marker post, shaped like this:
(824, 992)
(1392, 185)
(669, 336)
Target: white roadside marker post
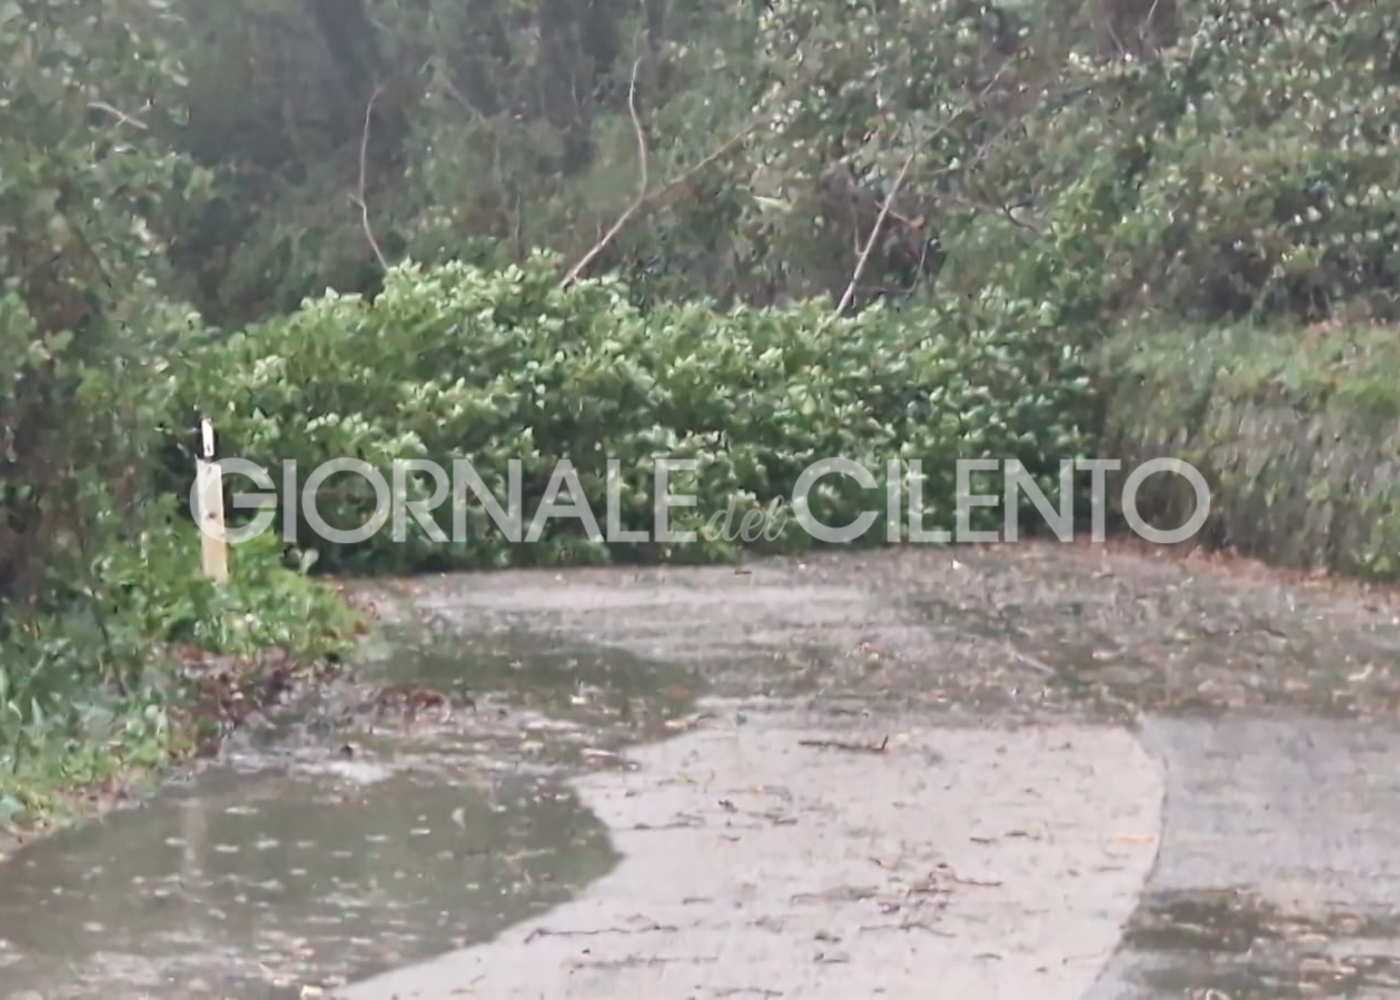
(209, 478)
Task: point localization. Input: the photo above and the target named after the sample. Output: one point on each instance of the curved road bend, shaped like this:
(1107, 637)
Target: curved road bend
(1106, 776)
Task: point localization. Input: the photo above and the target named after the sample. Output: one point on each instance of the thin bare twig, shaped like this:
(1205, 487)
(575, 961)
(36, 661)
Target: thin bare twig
(701, 164)
(121, 116)
(849, 747)
(361, 198)
(1147, 22)
(864, 257)
(642, 185)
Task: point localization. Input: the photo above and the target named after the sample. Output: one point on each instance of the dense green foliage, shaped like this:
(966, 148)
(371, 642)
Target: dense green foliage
(93, 690)
(98, 569)
(1297, 436)
(323, 220)
(455, 363)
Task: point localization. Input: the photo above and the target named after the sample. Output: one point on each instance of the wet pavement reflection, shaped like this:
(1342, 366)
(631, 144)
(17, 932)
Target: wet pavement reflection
(317, 853)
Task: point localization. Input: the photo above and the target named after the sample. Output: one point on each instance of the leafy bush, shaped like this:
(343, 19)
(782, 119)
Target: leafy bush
(97, 575)
(489, 366)
(83, 332)
(1297, 436)
(90, 687)
(1249, 171)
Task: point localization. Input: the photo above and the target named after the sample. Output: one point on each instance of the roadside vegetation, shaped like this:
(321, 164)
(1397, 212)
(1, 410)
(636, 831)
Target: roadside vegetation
(750, 234)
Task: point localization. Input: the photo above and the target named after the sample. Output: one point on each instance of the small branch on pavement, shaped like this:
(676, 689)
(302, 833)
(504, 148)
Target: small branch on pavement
(546, 932)
(910, 925)
(849, 747)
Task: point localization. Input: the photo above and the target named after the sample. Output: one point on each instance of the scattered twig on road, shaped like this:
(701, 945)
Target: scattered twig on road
(849, 747)
(683, 821)
(690, 721)
(926, 888)
(1032, 662)
(540, 932)
(636, 961)
(945, 874)
(734, 991)
(845, 894)
(908, 925)
(945, 871)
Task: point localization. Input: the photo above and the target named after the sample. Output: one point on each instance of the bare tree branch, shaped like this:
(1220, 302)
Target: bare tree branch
(701, 164)
(864, 257)
(360, 198)
(885, 208)
(644, 196)
(1146, 25)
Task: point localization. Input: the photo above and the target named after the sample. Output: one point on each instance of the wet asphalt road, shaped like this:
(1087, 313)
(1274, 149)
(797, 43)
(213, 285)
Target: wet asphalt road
(1108, 777)
(1021, 771)
(1278, 872)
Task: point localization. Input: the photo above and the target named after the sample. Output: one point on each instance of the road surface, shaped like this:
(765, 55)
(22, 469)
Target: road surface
(1042, 773)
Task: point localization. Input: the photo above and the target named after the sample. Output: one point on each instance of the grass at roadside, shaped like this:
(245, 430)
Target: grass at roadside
(98, 702)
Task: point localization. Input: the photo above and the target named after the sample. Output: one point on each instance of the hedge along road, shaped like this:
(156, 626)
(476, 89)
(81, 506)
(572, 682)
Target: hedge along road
(1028, 770)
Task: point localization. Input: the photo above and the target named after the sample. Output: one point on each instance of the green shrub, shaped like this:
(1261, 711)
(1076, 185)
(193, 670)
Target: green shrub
(99, 584)
(1250, 171)
(458, 363)
(1297, 435)
(89, 685)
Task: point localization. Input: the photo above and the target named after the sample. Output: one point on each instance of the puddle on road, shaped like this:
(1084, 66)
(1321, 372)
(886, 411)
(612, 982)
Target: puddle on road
(614, 694)
(332, 851)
